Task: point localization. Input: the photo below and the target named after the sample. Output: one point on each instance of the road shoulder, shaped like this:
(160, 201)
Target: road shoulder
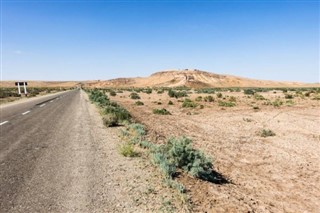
(134, 184)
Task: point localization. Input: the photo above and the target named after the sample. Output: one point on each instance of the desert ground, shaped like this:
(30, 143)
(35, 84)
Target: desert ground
(279, 173)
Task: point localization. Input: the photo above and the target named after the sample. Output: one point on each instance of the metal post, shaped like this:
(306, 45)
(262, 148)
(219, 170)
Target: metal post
(25, 88)
(19, 89)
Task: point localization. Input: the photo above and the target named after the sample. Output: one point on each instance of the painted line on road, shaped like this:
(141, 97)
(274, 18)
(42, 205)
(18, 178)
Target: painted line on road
(26, 112)
(42, 105)
(4, 122)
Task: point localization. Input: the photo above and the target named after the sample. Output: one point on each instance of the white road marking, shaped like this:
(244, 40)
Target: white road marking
(42, 105)
(25, 113)
(4, 122)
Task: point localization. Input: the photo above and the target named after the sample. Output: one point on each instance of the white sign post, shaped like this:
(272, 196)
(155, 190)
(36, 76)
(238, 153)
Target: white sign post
(24, 84)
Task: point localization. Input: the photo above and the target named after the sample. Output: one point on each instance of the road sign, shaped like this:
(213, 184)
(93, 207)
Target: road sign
(24, 84)
(21, 83)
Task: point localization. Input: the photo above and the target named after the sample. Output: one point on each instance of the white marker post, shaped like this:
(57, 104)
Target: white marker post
(24, 84)
(25, 88)
(19, 91)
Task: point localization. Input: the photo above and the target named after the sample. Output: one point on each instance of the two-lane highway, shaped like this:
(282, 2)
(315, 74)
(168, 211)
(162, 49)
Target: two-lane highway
(13, 110)
(50, 156)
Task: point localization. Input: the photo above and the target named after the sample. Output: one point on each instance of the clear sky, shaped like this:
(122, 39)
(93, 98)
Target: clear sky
(88, 40)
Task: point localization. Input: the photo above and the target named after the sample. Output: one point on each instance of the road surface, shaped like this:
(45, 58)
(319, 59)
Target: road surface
(50, 156)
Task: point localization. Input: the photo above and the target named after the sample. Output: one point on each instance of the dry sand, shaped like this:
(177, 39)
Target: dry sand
(272, 174)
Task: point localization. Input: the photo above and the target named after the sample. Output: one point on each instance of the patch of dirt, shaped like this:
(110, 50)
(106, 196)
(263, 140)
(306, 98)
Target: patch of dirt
(272, 174)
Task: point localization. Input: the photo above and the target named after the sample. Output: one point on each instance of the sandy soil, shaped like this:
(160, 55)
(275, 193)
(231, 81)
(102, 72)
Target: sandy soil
(272, 174)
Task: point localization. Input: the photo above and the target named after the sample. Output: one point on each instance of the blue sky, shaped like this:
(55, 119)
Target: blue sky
(87, 40)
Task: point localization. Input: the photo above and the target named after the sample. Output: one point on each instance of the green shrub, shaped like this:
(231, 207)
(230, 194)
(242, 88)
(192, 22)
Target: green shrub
(248, 91)
(188, 103)
(138, 129)
(226, 104)
(113, 93)
(267, 133)
(175, 185)
(148, 91)
(134, 133)
(139, 103)
(177, 94)
(167, 167)
(178, 153)
(170, 103)
(199, 98)
(277, 103)
(219, 95)
(288, 96)
(205, 90)
(289, 103)
(98, 97)
(259, 97)
(134, 95)
(121, 113)
(162, 111)
(110, 120)
(127, 150)
(208, 98)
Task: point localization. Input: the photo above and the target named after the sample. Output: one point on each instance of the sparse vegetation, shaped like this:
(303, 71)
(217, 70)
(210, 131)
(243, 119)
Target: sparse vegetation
(189, 103)
(177, 94)
(170, 103)
(127, 150)
(232, 99)
(226, 104)
(134, 95)
(219, 95)
(288, 96)
(112, 93)
(148, 91)
(277, 103)
(206, 90)
(258, 97)
(162, 111)
(199, 98)
(178, 153)
(248, 91)
(289, 103)
(113, 114)
(139, 103)
(316, 98)
(208, 98)
(267, 133)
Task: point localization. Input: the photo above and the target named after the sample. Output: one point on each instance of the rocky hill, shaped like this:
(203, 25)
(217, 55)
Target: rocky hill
(193, 78)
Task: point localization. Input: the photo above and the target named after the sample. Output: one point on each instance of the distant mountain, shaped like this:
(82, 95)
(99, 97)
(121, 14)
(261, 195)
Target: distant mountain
(193, 79)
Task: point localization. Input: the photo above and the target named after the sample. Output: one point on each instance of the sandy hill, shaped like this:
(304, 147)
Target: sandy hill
(194, 79)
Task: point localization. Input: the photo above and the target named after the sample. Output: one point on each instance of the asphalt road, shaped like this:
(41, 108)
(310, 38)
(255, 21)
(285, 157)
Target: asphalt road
(48, 156)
